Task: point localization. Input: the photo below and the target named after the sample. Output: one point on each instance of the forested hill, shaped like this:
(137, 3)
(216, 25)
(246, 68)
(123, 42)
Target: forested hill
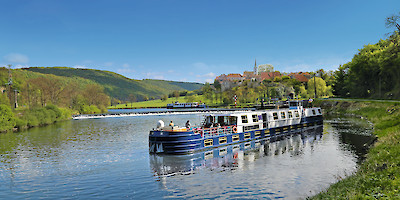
(118, 86)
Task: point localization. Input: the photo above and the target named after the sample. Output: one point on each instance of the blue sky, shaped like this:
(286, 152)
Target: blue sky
(189, 40)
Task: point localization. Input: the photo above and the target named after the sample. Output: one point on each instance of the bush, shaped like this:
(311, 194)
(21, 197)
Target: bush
(66, 113)
(92, 109)
(43, 116)
(7, 120)
(31, 119)
(56, 111)
(21, 123)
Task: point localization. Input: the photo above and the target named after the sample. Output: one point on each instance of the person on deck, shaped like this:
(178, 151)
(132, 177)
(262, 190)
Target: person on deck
(187, 124)
(171, 123)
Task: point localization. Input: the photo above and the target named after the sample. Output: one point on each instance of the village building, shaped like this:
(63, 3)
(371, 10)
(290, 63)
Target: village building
(269, 75)
(259, 74)
(300, 76)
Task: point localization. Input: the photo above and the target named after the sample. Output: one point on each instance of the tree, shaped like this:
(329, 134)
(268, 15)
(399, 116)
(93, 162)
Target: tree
(164, 97)
(285, 78)
(176, 94)
(94, 95)
(391, 21)
(218, 88)
(303, 92)
(7, 120)
(49, 89)
(207, 92)
(132, 98)
(265, 68)
(190, 98)
(320, 85)
(340, 81)
(277, 79)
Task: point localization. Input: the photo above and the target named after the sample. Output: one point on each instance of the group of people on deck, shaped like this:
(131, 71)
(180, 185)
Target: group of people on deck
(187, 125)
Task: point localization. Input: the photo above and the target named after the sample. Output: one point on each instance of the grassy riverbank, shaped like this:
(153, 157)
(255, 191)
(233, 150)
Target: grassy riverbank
(379, 176)
(158, 103)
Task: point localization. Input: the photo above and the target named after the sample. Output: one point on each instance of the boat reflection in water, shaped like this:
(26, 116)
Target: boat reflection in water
(232, 156)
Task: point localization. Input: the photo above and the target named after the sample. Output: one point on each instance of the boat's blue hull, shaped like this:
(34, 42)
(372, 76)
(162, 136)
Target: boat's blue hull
(170, 142)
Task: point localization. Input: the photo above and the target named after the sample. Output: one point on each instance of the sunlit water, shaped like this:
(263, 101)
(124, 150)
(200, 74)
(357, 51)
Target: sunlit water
(108, 159)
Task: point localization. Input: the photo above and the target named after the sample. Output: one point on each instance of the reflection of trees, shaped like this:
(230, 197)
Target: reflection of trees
(354, 137)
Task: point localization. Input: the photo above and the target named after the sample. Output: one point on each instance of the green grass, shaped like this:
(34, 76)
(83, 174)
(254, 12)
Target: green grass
(162, 104)
(379, 176)
(158, 103)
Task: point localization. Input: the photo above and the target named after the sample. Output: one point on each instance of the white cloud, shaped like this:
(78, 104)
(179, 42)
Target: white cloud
(16, 58)
(152, 75)
(80, 66)
(21, 66)
(125, 71)
(211, 74)
(209, 80)
(161, 77)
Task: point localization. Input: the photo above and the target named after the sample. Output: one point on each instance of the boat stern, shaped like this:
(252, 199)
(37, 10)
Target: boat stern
(179, 141)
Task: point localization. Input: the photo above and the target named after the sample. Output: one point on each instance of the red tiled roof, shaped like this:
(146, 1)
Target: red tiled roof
(269, 75)
(300, 76)
(248, 74)
(234, 76)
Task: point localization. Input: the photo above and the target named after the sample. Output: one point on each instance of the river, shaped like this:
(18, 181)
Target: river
(108, 159)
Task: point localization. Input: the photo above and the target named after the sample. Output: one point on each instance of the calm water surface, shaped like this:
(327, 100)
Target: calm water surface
(108, 159)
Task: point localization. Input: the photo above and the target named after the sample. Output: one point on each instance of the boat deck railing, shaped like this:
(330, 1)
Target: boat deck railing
(214, 131)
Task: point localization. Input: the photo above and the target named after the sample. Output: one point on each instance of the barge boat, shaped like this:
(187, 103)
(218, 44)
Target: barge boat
(219, 130)
(186, 105)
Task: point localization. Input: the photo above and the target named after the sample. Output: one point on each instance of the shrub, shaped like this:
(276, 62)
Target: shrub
(92, 109)
(7, 120)
(21, 123)
(56, 111)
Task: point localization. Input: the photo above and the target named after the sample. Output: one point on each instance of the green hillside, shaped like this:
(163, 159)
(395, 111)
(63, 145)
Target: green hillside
(118, 86)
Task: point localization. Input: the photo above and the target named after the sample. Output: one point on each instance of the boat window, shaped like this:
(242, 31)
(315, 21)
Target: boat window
(244, 119)
(221, 120)
(313, 112)
(275, 115)
(293, 104)
(232, 120)
(222, 140)
(319, 111)
(255, 118)
(290, 115)
(235, 138)
(296, 113)
(209, 121)
(283, 115)
(249, 128)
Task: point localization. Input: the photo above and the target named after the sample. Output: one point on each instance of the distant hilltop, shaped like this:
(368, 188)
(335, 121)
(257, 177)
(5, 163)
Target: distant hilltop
(120, 87)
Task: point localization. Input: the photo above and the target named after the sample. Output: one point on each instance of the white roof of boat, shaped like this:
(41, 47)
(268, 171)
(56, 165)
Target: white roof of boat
(237, 113)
